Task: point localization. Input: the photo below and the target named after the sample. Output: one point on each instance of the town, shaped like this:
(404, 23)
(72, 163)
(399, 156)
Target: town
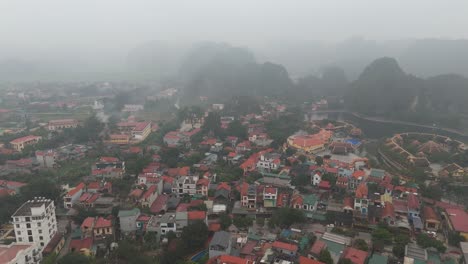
(140, 177)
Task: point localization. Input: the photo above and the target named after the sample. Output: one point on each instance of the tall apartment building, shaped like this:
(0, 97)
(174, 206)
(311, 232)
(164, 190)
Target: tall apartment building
(35, 222)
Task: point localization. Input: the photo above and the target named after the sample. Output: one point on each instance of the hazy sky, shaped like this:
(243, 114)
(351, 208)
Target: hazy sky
(116, 24)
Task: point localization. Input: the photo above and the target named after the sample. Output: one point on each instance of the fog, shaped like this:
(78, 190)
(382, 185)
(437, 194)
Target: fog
(98, 35)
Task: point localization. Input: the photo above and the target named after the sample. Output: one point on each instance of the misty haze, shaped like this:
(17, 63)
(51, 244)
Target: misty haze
(233, 132)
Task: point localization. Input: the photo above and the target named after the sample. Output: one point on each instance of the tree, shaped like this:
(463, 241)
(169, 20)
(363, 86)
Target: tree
(425, 241)
(235, 128)
(194, 236)
(382, 234)
(361, 244)
(319, 160)
(74, 258)
(225, 221)
(325, 257)
(242, 221)
(212, 124)
(285, 217)
(345, 261)
(260, 221)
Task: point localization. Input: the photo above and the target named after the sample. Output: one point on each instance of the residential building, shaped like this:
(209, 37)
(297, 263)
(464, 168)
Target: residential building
(128, 220)
(55, 245)
(47, 158)
(103, 228)
(413, 206)
(149, 196)
(35, 222)
(61, 124)
(270, 196)
(132, 108)
(285, 248)
(269, 161)
(249, 195)
(202, 186)
(20, 253)
(458, 221)
(141, 131)
(119, 139)
(220, 244)
(310, 143)
(361, 201)
(355, 255)
(185, 185)
(316, 178)
(431, 219)
(20, 143)
(73, 196)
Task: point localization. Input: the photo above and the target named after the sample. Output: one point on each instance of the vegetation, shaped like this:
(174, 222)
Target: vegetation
(285, 217)
(325, 257)
(425, 241)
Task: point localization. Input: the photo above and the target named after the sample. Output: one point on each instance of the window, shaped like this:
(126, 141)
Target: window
(41, 238)
(16, 219)
(40, 231)
(30, 239)
(28, 219)
(38, 224)
(28, 225)
(42, 244)
(17, 225)
(18, 233)
(20, 239)
(29, 233)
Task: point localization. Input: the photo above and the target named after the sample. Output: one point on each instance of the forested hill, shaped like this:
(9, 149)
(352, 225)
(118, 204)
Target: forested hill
(384, 89)
(223, 70)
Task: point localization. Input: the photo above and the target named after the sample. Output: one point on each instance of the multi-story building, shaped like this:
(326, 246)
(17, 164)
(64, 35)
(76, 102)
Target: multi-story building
(269, 161)
(141, 130)
(60, 124)
(119, 139)
(185, 185)
(249, 195)
(20, 143)
(35, 222)
(47, 158)
(20, 253)
(73, 196)
(270, 195)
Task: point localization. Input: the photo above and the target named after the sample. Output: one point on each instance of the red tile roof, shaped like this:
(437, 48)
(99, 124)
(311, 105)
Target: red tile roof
(304, 260)
(136, 193)
(25, 139)
(108, 159)
(348, 201)
(78, 244)
(140, 126)
(228, 259)
(76, 189)
(459, 219)
(362, 191)
(101, 222)
(388, 210)
(285, 246)
(359, 173)
(196, 215)
(355, 255)
(88, 222)
(413, 201)
(159, 204)
(324, 185)
(203, 182)
(214, 227)
(429, 213)
(317, 247)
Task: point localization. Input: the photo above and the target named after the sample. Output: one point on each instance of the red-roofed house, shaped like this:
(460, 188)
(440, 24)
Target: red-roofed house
(316, 249)
(73, 195)
(304, 260)
(87, 227)
(413, 205)
(141, 130)
(431, 219)
(82, 246)
(20, 143)
(324, 185)
(388, 214)
(202, 186)
(248, 194)
(149, 196)
(193, 216)
(228, 259)
(355, 255)
(159, 205)
(458, 221)
(103, 228)
(60, 124)
(285, 248)
(361, 201)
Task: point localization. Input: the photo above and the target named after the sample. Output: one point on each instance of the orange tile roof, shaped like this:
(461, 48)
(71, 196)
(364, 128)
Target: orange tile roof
(355, 255)
(76, 189)
(25, 139)
(285, 246)
(304, 260)
(101, 222)
(88, 222)
(196, 215)
(362, 191)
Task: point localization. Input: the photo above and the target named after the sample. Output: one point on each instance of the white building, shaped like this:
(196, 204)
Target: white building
(35, 222)
(316, 178)
(269, 161)
(132, 108)
(20, 253)
(185, 184)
